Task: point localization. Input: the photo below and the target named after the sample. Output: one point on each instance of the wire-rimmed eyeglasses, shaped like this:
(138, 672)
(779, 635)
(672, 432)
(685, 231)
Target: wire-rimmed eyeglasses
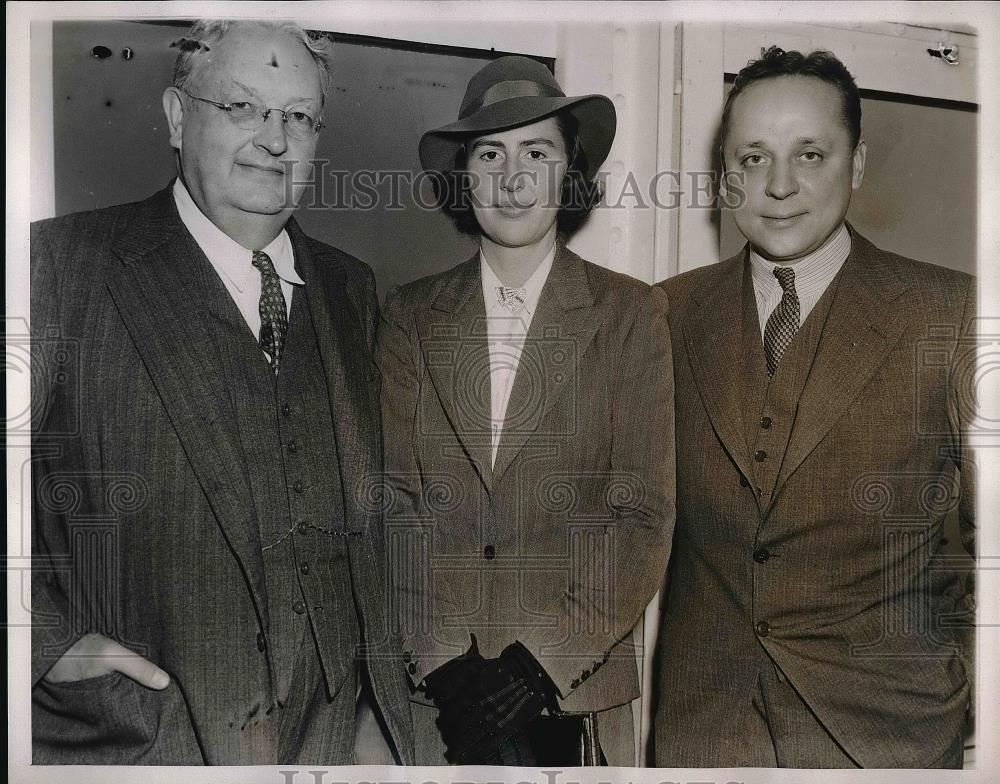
(250, 116)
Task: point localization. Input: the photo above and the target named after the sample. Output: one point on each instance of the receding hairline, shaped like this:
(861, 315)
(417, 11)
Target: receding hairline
(841, 99)
(197, 44)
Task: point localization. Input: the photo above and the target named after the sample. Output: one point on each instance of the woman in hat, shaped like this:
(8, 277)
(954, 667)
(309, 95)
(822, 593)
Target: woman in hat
(528, 416)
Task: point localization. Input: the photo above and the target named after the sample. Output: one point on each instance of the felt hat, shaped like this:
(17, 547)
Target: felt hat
(513, 91)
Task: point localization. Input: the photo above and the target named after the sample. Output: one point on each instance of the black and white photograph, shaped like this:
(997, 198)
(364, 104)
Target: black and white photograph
(503, 392)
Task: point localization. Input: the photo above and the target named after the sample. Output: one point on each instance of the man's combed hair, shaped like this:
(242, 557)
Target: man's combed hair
(820, 64)
(578, 195)
(206, 33)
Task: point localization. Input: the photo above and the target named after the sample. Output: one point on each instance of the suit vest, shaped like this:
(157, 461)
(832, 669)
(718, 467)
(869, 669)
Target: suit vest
(770, 405)
(290, 448)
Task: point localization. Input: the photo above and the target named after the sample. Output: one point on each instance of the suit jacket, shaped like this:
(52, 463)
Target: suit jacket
(144, 526)
(832, 570)
(563, 542)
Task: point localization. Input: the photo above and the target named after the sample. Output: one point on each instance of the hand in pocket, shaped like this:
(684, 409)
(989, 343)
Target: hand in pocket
(95, 655)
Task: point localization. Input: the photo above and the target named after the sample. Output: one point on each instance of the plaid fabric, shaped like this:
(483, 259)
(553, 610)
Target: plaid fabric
(783, 322)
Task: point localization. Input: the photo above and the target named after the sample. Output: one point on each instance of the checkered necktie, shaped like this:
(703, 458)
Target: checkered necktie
(511, 299)
(273, 313)
(783, 322)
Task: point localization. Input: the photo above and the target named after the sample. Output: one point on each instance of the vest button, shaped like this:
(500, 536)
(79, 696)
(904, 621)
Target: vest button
(760, 455)
(760, 555)
(412, 669)
(303, 527)
(765, 423)
(299, 607)
(286, 409)
(297, 487)
(261, 642)
(763, 628)
(293, 447)
(305, 569)
(744, 482)
(489, 552)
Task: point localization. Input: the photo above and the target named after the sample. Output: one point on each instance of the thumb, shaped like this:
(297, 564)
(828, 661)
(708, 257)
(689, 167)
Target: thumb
(138, 668)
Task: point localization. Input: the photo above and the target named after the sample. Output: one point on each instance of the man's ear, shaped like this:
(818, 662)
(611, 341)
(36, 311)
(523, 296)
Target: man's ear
(858, 164)
(173, 108)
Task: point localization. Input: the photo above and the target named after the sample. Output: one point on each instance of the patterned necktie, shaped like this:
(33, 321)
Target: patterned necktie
(511, 299)
(273, 313)
(783, 322)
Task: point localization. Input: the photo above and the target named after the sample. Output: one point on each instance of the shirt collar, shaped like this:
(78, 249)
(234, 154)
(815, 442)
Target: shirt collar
(533, 286)
(814, 269)
(222, 250)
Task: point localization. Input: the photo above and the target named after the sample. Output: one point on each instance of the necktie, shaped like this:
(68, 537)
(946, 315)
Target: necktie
(273, 313)
(511, 299)
(783, 322)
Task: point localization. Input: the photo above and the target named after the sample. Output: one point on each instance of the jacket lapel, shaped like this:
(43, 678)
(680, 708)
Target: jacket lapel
(336, 308)
(164, 295)
(454, 340)
(861, 329)
(714, 339)
(562, 328)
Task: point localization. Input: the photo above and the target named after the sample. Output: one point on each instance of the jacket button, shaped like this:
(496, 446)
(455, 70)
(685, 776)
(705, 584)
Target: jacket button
(299, 607)
(303, 528)
(765, 423)
(489, 552)
(760, 555)
(261, 642)
(575, 683)
(293, 447)
(305, 569)
(584, 675)
(407, 656)
(297, 487)
(763, 628)
(411, 668)
(286, 409)
(760, 455)
(744, 482)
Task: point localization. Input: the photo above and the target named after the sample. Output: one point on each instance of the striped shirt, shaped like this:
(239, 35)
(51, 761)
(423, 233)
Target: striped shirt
(813, 274)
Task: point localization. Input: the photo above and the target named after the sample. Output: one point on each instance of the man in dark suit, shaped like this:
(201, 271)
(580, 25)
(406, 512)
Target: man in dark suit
(822, 404)
(527, 400)
(208, 572)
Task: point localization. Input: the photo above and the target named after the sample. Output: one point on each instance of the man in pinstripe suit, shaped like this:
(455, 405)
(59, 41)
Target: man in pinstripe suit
(208, 583)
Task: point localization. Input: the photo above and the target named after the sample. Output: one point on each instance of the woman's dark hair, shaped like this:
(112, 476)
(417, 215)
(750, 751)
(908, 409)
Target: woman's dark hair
(578, 195)
(820, 64)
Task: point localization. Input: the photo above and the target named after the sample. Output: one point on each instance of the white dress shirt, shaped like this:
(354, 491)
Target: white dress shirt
(506, 332)
(813, 274)
(234, 263)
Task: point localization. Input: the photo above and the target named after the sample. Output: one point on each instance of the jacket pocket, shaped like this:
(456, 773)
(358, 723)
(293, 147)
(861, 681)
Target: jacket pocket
(111, 720)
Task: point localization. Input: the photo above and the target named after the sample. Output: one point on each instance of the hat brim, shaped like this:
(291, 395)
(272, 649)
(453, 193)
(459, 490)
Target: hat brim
(595, 115)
